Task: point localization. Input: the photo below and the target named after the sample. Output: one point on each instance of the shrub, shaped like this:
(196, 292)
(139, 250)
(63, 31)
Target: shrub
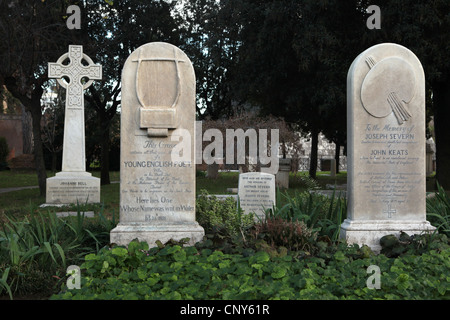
(438, 211)
(278, 232)
(319, 212)
(42, 246)
(221, 216)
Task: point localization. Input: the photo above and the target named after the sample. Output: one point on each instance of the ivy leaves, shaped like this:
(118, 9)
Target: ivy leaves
(176, 272)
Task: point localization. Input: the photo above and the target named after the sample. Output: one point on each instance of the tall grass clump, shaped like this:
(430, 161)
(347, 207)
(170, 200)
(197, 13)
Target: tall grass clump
(438, 211)
(37, 250)
(320, 213)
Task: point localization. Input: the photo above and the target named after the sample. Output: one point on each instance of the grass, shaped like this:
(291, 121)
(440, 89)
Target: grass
(21, 203)
(13, 179)
(218, 186)
(296, 181)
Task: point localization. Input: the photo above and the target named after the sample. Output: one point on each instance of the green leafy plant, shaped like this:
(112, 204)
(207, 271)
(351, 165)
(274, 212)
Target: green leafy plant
(438, 210)
(4, 283)
(393, 246)
(318, 212)
(174, 272)
(43, 245)
(221, 219)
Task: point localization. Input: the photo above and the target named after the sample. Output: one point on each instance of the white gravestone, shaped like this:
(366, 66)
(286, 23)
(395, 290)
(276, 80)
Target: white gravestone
(73, 184)
(386, 146)
(157, 170)
(256, 192)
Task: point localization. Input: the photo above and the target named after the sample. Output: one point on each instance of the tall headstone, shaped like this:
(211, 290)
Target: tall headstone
(386, 146)
(73, 184)
(256, 192)
(157, 170)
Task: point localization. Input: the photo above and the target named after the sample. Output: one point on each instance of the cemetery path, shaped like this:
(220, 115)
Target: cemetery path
(5, 190)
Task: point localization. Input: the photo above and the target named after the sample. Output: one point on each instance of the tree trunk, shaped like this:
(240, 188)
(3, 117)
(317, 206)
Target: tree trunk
(104, 157)
(337, 154)
(36, 114)
(441, 102)
(314, 149)
(54, 161)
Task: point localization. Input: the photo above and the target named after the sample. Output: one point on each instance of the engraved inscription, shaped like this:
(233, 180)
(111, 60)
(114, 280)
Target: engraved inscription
(386, 175)
(256, 192)
(157, 182)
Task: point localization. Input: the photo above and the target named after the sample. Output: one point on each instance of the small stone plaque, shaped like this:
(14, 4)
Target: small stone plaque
(256, 192)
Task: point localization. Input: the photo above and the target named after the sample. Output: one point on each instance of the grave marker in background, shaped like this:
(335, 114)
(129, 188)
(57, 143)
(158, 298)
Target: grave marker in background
(256, 191)
(157, 170)
(386, 145)
(282, 176)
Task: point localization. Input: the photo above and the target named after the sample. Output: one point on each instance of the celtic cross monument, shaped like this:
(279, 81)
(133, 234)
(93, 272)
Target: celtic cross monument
(73, 184)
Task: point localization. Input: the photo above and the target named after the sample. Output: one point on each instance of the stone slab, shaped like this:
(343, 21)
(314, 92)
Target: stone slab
(370, 232)
(123, 234)
(386, 145)
(157, 169)
(87, 214)
(256, 192)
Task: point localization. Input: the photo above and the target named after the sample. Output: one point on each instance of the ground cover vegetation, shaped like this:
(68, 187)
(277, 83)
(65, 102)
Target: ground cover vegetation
(294, 253)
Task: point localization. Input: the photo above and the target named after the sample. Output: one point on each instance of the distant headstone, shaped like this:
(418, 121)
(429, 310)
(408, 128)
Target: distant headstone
(325, 164)
(256, 192)
(73, 184)
(429, 160)
(212, 170)
(282, 176)
(333, 168)
(386, 146)
(157, 171)
(12, 130)
(24, 162)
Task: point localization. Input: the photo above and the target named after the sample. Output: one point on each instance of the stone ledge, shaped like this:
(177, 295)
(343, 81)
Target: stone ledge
(123, 234)
(369, 232)
(87, 214)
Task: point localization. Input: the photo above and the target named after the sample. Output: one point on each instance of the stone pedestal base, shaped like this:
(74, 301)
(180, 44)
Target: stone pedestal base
(67, 188)
(123, 234)
(369, 232)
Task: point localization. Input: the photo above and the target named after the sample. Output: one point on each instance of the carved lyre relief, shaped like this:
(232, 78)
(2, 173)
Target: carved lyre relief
(388, 87)
(158, 89)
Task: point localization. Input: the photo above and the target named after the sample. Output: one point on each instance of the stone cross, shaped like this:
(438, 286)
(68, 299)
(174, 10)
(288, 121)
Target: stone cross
(74, 137)
(389, 211)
